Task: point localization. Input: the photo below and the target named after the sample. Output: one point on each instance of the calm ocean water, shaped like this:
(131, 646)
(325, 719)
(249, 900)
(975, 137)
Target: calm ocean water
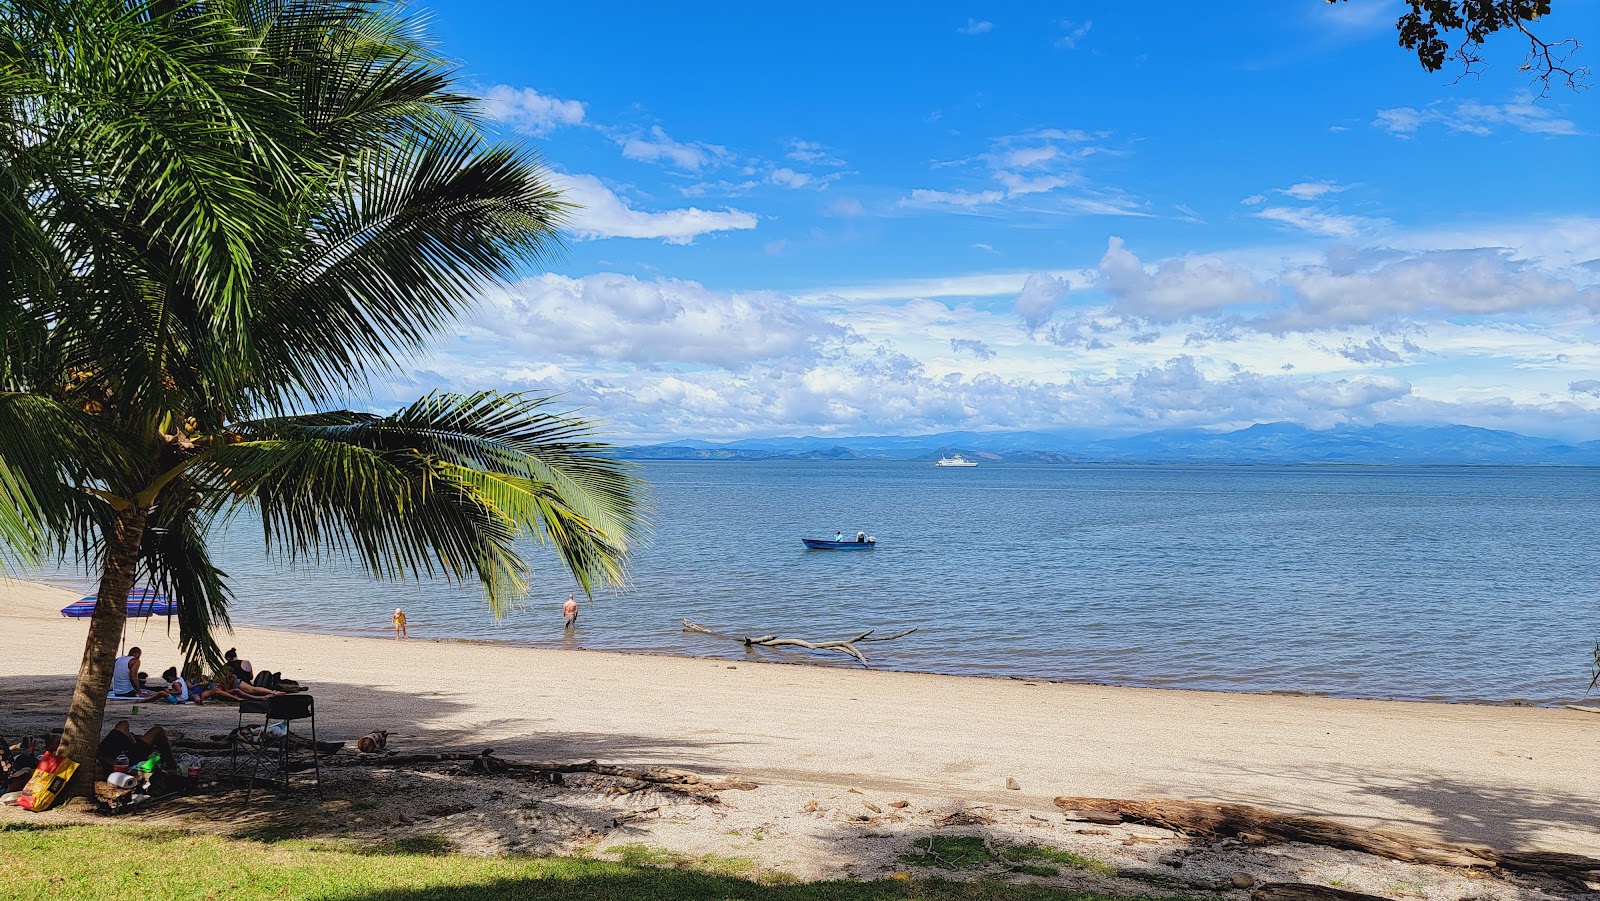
(1420, 583)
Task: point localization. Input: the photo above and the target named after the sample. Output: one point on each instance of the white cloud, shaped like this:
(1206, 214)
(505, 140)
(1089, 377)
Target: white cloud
(1384, 287)
(788, 178)
(603, 214)
(1041, 295)
(965, 199)
(1318, 222)
(660, 147)
(813, 153)
(975, 26)
(1311, 190)
(1180, 287)
(1472, 117)
(1586, 386)
(529, 111)
(1033, 169)
(619, 318)
(1254, 200)
(1072, 33)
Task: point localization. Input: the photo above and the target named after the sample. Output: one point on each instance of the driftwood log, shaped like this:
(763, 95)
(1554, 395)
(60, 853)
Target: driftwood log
(1305, 891)
(845, 646)
(1263, 826)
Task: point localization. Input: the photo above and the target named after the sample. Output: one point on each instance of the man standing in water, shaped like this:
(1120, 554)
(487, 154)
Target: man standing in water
(400, 623)
(569, 612)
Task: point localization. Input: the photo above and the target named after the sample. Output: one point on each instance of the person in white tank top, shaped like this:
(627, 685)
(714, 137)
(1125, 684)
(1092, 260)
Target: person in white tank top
(125, 676)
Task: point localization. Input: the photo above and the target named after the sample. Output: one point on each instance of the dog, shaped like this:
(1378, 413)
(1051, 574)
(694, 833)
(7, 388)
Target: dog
(373, 741)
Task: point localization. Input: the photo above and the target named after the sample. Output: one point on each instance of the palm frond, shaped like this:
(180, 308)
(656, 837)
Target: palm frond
(177, 562)
(444, 486)
(393, 253)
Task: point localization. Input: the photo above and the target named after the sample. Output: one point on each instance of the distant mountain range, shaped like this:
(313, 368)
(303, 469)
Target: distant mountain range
(1277, 442)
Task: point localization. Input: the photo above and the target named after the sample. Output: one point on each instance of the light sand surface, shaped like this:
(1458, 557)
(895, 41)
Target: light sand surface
(1505, 776)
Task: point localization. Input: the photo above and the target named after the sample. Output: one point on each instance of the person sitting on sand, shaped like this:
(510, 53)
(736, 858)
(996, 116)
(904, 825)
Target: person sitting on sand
(126, 680)
(231, 686)
(121, 740)
(177, 690)
(240, 668)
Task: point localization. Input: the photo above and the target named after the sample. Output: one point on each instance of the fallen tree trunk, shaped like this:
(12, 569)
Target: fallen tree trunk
(1304, 891)
(1260, 825)
(845, 646)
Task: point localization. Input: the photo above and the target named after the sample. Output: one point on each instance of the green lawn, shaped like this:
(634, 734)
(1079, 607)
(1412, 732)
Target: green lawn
(45, 861)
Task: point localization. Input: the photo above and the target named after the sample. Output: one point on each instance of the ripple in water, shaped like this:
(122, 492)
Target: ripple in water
(1421, 583)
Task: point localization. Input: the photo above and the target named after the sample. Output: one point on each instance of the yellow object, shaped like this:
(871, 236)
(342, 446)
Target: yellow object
(42, 788)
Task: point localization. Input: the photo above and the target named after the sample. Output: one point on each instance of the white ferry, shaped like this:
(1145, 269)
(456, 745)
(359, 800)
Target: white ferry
(956, 460)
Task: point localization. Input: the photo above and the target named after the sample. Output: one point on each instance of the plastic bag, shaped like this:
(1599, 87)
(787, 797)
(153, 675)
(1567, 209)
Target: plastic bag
(42, 789)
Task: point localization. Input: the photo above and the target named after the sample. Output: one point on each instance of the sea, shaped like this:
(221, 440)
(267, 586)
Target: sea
(1471, 584)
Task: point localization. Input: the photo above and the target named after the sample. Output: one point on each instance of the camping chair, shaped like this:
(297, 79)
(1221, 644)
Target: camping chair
(276, 750)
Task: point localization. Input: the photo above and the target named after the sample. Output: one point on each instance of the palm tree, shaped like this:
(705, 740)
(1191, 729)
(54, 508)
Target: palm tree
(221, 220)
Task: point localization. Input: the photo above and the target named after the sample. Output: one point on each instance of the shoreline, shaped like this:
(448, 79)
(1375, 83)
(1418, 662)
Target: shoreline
(1506, 776)
(1046, 680)
(775, 658)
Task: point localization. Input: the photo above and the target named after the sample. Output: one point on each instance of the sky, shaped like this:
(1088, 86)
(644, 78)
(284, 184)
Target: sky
(906, 218)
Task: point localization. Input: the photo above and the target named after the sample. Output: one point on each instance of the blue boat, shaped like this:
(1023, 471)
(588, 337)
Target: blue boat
(828, 544)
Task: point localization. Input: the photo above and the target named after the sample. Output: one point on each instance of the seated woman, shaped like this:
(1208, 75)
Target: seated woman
(240, 668)
(231, 686)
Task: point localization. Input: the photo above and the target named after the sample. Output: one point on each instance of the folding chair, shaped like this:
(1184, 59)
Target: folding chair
(276, 750)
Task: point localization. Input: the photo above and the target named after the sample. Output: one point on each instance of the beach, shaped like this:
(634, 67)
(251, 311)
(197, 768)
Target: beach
(1509, 777)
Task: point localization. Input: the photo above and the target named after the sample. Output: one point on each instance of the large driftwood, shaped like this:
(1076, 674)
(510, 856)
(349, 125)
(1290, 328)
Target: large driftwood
(1258, 824)
(1305, 891)
(845, 646)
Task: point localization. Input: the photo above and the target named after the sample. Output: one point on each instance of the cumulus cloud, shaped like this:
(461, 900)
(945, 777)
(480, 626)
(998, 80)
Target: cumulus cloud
(529, 111)
(788, 178)
(1372, 351)
(1040, 296)
(602, 214)
(659, 147)
(1475, 118)
(976, 26)
(1385, 288)
(620, 318)
(1179, 287)
(1590, 387)
(981, 350)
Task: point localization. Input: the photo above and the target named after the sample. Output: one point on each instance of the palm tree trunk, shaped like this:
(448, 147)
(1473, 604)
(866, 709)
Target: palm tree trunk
(81, 736)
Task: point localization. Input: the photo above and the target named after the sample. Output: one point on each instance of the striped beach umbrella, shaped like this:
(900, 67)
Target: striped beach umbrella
(141, 602)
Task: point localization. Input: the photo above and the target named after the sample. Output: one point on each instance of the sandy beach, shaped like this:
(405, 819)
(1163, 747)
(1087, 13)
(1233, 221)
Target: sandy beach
(1509, 777)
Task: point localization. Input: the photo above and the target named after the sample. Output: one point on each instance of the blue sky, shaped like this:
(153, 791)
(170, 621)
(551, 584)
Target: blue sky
(879, 218)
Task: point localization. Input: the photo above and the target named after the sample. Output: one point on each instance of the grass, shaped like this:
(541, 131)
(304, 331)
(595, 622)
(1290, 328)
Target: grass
(48, 861)
(971, 852)
(1036, 855)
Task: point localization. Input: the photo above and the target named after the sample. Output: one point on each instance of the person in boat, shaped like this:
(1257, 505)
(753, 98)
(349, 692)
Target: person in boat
(838, 535)
(861, 538)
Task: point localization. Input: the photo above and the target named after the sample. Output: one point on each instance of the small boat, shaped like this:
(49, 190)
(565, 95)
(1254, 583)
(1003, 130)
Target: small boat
(828, 544)
(956, 460)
